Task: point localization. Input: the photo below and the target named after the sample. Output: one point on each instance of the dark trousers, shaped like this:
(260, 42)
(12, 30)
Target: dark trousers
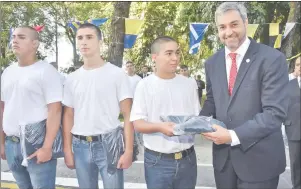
(227, 179)
(295, 159)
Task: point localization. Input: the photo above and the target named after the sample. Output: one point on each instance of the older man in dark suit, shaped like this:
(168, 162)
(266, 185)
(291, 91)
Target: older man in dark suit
(245, 90)
(292, 125)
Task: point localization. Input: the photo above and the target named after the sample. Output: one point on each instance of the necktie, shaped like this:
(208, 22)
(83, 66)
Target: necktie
(233, 72)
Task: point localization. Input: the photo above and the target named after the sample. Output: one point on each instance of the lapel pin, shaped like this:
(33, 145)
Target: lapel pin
(248, 60)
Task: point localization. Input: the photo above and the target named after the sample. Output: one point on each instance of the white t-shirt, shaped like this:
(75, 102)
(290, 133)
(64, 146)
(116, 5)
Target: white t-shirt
(155, 97)
(26, 91)
(95, 95)
(134, 81)
(195, 83)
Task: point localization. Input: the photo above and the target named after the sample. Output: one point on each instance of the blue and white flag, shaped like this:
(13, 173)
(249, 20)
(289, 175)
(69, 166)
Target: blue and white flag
(97, 22)
(197, 31)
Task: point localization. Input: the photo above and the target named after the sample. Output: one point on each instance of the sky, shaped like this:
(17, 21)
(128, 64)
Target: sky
(65, 52)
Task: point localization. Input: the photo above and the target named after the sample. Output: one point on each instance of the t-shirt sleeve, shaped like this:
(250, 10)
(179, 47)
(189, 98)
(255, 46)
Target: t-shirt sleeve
(197, 107)
(123, 87)
(68, 95)
(2, 88)
(139, 110)
(52, 85)
(195, 84)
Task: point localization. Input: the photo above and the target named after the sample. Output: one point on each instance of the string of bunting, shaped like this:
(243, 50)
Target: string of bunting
(294, 57)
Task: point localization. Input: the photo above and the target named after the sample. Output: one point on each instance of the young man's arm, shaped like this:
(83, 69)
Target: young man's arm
(52, 124)
(143, 126)
(52, 88)
(125, 108)
(44, 154)
(2, 134)
(68, 122)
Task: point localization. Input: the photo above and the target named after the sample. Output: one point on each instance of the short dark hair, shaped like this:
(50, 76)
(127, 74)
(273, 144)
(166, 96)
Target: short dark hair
(35, 34)
(158, 41)
(129, 62)
(145, 66)
(91, 26)
(184, 66)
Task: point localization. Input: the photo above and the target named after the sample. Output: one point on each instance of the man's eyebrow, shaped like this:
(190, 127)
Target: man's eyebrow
(19, 35)
(234, 21)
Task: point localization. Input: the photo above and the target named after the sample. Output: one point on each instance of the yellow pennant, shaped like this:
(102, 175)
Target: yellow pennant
(252, 30)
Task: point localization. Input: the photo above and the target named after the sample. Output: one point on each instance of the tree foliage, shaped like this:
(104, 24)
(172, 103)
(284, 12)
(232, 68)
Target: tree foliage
(160, 18)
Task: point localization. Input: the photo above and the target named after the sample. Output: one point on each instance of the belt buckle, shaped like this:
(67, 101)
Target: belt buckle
(178, 155)
(89, 139)
(14, 139)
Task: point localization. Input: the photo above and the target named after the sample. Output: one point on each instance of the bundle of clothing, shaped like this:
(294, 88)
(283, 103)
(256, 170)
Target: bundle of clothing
(32, 137)
(192, 124)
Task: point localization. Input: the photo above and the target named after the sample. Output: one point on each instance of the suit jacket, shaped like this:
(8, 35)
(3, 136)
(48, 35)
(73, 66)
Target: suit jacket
(292, 122)
(255, 111)
(141, 75)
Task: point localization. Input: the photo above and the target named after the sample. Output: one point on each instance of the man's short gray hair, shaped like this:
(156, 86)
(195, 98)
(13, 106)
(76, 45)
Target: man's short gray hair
(227, 6)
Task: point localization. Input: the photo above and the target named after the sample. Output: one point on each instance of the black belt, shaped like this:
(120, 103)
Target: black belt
(13, 138)
(89, 138)
(176, 155)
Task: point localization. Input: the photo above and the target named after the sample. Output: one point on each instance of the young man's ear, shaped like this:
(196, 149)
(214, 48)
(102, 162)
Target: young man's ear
(36, 44)
(154, 56)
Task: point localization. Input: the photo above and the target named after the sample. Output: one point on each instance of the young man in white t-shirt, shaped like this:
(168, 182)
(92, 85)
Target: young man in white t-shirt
(31, 91)
(134, 78)
(94, 96)
(169, 161)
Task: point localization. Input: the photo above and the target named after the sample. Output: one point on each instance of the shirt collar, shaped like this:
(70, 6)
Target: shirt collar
(241, 51)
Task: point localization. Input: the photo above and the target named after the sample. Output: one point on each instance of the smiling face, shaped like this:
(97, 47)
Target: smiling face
(88, 42)
(232, 29)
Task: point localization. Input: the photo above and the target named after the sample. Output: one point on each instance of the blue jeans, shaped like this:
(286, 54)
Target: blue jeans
(90, 161)
(37, 176)
(167, 173)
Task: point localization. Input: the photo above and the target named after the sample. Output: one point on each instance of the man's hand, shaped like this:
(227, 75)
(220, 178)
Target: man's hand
(125, 160)
(3, 156)
(69, 160)
(220, 136)
(167, 128)
(43, 155)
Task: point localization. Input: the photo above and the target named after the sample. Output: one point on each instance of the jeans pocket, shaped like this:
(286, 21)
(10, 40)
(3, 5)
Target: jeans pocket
(75, 142)
(150, 160)
(192, 158)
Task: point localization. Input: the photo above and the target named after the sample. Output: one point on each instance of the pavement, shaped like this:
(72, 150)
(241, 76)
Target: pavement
(134, 176)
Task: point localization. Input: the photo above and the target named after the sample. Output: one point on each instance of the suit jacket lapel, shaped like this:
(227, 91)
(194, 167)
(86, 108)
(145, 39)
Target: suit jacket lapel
(223, 81)
(248, 59)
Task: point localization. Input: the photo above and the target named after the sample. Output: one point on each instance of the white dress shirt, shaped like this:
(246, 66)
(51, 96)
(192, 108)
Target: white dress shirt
(241, 51)
(291, 76)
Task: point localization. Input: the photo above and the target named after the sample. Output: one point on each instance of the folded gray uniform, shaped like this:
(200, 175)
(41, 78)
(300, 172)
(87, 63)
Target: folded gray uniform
(113, 143)
(192, 124)
(32, 137)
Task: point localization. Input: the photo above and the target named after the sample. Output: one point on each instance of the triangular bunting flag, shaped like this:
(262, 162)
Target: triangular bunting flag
(277, 44)
(274, 29)
(39, 28)
(252, 30)
(197, 31)
(288, 28)
(273, 33)
(132, 28)
(97, 22)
